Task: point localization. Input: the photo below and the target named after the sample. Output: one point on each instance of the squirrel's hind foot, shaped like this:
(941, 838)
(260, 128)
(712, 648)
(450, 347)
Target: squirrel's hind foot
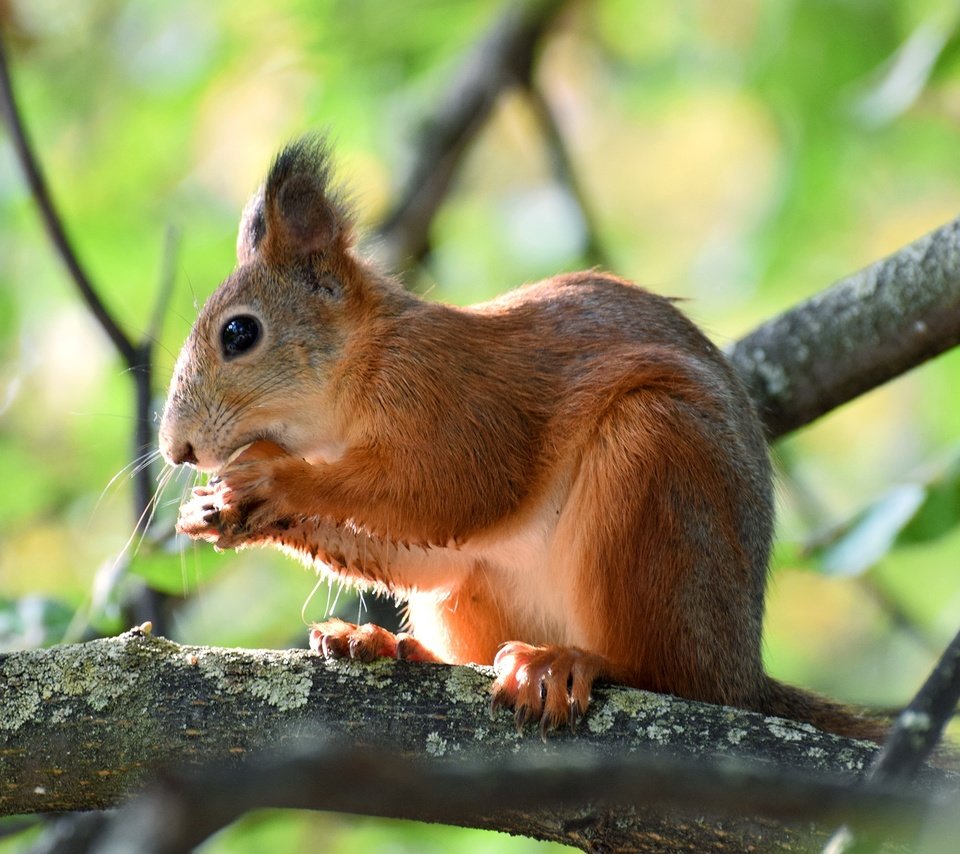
(336, 638)
(550, 684)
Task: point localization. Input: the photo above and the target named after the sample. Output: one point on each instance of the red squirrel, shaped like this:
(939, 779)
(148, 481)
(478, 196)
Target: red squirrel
(568, 482)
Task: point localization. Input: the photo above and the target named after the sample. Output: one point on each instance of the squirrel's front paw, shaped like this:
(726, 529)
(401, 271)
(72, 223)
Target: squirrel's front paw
(199, 514)
(207, 516)
(241, 501)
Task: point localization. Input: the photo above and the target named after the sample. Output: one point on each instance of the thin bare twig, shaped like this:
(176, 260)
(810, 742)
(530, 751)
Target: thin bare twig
(51, 218)
(143, 379)
(136, 355)
(915, 734)
(504, 57)
(895, 611)
(168, 277)
(566, 173)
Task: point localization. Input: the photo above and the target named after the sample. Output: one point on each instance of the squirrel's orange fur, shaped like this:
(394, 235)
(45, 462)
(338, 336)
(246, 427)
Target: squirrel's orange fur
(568, 481)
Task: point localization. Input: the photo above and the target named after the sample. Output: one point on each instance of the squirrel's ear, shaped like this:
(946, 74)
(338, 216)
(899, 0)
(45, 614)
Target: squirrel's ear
(300, 213)
(252, 228)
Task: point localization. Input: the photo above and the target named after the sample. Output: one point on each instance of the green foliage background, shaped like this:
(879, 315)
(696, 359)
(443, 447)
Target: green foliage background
(742, 155)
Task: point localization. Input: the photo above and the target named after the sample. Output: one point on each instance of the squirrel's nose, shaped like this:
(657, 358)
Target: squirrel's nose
(183, 453)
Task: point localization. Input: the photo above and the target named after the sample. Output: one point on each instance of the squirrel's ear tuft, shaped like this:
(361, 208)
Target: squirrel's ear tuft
(298, 213)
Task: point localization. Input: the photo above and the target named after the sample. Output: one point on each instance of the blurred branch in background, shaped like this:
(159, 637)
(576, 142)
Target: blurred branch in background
(147, 603)
(855, 547)
(919, 727)
(868, 328)
(916, 732)
(581, 798)
(593, 252)
(503, 58)
(128, 351)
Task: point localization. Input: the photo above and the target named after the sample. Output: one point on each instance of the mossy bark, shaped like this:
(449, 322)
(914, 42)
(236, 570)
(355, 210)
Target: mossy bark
(85, 726)
(866, 329)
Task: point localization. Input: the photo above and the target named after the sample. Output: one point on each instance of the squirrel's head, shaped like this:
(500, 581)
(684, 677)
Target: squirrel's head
(261, 361)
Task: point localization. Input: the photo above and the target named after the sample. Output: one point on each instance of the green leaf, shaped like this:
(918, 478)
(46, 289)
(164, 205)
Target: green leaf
(940, 511)
(909, 513)
(873, 533)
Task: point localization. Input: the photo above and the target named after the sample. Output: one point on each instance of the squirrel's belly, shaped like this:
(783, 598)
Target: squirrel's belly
(532, 580)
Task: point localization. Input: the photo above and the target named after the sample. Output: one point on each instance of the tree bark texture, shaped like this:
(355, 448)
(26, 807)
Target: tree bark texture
(868, 328)
(83, 726)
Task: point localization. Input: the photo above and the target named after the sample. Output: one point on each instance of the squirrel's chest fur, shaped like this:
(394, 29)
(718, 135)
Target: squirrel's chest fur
(515, 578)
(464, 599)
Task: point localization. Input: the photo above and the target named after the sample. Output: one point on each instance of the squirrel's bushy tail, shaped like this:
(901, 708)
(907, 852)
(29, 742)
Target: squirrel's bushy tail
(788, 702)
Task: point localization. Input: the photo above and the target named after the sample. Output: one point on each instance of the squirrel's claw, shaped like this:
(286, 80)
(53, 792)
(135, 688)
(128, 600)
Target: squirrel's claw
(549, 684)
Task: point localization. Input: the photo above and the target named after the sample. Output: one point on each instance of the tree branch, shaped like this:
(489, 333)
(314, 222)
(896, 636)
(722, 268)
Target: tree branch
(919, 727)
(83, 726)
(138, 356)
(866, 329)
(916, 732)
(503, 793)
(52, 220)
(566, 174)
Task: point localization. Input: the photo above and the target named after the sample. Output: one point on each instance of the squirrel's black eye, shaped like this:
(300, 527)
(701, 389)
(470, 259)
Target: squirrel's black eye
(239, 334)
